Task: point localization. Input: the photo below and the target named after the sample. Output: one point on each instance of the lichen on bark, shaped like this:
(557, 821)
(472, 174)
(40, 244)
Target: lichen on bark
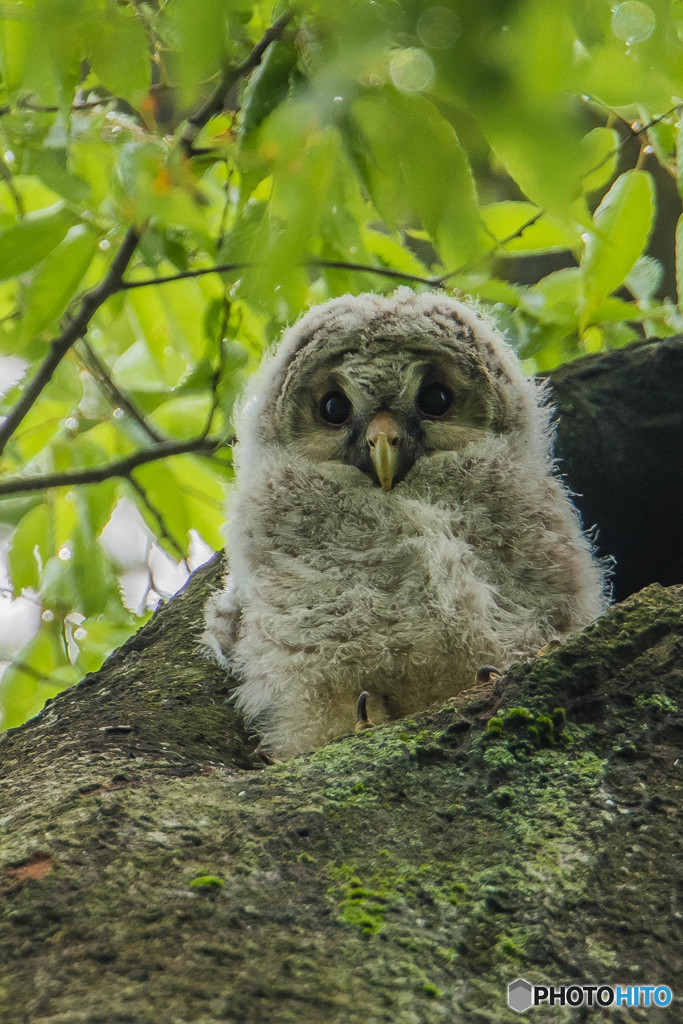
(151, 872)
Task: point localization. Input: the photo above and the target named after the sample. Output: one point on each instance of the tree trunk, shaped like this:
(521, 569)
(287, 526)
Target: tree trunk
(620, 445)
(152, 872)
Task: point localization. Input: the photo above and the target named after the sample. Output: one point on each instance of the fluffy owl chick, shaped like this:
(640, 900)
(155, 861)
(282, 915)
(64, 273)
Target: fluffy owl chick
(396, 521)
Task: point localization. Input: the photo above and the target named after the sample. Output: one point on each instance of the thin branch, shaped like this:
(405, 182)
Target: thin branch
(229, 78)
(634, 133)
(26, 103)
(119, 468)
(225, 268)
(226, 207)
(218, 372)
(465, 267)
(183, 275)
(29, 670)
(163, 530)
(90, 303)
(398, 275)
(6, 175)
(103, 378)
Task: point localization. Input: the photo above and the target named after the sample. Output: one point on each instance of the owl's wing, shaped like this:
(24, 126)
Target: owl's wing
(222, 615)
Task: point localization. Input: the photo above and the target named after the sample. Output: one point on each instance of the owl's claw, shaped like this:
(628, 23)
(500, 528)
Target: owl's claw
(362, 720)
(260, 753)
(487, 673)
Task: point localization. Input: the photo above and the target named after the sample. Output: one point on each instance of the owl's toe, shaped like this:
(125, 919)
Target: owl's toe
(362, 720)
(261, 754)
(487, 673)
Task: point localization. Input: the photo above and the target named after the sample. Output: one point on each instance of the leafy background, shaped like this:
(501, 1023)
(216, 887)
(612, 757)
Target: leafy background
(179, 179)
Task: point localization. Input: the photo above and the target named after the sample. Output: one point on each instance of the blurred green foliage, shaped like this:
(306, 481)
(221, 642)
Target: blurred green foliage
(516, 151)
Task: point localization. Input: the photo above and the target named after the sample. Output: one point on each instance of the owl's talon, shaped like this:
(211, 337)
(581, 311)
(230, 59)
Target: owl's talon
(362, 720)
(264, 755)
(487, 673)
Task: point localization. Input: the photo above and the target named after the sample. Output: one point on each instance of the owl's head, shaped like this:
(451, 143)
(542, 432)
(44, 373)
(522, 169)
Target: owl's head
(379, 382)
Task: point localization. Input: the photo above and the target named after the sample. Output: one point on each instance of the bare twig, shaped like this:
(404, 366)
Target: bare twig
(226, 268)
(465, 267)
(218, 372)
(398, 275)
(229, 78)
(90, 303)
(163, 529)
(226, 207)
(634, 133)
(6, 175)
(183, 275)
(103, 378)
(119, 468)
(29, 670)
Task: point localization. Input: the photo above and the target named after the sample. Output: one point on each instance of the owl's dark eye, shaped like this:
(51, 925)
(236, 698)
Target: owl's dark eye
(335, 408)
(434, 400)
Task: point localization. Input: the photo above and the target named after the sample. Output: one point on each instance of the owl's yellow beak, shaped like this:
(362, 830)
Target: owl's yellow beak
(383, 437)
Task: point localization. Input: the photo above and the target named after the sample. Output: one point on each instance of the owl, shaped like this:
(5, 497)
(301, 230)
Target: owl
(397, 519)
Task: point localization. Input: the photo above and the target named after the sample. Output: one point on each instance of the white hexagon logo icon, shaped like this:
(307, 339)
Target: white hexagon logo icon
(519, 995)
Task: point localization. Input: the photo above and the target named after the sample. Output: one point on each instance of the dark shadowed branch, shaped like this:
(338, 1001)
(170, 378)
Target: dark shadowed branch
(229, 78)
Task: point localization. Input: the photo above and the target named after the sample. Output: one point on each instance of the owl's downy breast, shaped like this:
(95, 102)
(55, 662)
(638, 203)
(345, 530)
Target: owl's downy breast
(329, 565)
(472, 554)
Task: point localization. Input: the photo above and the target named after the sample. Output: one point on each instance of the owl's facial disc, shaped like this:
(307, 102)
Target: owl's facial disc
(382, 410)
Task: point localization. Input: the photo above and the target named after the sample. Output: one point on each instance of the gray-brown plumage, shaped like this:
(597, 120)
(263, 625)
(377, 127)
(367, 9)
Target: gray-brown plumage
(397, 521)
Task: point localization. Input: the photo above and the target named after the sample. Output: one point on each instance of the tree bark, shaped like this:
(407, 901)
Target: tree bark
(620, 446)
(152, 871)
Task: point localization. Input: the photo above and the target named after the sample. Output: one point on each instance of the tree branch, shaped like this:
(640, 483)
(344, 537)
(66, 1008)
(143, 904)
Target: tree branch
(103, 378)
(119, 468)
(183, 275)
(91, 302)
(162, 528)
(398, 275)
(225, 268)
(229, 78)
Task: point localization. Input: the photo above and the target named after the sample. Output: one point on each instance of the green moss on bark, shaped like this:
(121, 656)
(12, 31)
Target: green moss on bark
(405, 874)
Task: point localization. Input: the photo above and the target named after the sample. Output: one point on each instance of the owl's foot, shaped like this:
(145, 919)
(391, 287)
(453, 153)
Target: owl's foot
(362, 720)
(260, 754)
(487, 673)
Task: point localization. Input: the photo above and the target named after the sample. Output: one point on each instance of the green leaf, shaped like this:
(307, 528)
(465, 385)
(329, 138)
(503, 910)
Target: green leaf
(556, 298)
(166, 497)
(93, 582)
(601, 150)
(27, 684)
(543, 235)
(645, 277)
(57, 590)
(56, 281)
(29, 549)
(50, 165)
(205, 497)
(679, 261)
(200, 33)
(428, 176)
(391, 253)
(118, 53)
(621, 226)
(184, 417)
(29, 241)
(268, 85)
